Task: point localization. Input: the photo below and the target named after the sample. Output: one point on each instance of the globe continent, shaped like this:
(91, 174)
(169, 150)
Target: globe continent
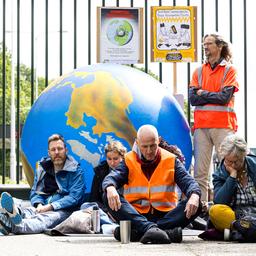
(96, 104)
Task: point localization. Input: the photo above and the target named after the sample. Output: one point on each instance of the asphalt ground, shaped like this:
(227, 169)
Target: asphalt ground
(100, 245)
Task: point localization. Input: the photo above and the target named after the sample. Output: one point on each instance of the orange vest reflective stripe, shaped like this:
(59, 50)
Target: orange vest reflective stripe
(158, 192)
(214, 115)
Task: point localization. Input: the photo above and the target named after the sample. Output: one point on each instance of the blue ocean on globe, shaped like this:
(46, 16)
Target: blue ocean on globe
(96, 104)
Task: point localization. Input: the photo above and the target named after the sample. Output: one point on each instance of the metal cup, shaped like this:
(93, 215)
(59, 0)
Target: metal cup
(226, 234)
(125, 231)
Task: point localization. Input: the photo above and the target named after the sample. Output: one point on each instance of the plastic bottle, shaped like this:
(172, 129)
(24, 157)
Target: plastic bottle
(96, 219)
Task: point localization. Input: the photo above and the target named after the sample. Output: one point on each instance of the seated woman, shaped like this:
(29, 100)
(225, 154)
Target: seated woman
(114, 152)
(234, 183)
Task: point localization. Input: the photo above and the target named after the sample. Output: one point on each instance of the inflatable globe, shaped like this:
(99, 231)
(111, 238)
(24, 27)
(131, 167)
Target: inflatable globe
(96, 104)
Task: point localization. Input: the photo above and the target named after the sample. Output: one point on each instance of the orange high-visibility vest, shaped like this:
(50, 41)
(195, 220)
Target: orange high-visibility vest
(158, 192)
(214, 115)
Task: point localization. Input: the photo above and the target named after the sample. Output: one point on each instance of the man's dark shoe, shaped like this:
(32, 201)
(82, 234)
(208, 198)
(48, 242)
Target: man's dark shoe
(155, 235)
(135, 236)
(175, 235)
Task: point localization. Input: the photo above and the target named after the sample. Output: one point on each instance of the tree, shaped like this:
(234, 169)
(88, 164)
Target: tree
(24, 96)
(8, 82)
(24, 86)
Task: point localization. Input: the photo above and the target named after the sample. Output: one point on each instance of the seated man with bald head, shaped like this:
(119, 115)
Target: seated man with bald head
(149, 175)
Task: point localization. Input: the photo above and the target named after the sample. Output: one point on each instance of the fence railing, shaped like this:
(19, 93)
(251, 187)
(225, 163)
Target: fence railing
(29, 31)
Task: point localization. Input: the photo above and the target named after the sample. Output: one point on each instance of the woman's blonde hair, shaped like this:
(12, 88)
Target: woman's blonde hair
(115, 146)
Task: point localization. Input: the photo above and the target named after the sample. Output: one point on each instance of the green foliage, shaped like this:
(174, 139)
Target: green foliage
(23, 99)
(25, 88)
(9, 181)
(8, 82)
(149, 72)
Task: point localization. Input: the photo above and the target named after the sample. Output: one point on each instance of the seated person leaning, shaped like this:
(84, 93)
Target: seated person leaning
(58, 190)
(114, 152)
(150, 174)
(234, 183)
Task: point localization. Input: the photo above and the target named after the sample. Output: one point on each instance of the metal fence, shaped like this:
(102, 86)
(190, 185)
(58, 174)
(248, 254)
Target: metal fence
(34, 24)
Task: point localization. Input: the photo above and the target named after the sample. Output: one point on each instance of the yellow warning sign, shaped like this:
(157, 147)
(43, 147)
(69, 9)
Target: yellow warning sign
(174, 33)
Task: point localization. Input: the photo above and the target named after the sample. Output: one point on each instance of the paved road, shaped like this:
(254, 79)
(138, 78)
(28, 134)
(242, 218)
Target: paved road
(44, 245)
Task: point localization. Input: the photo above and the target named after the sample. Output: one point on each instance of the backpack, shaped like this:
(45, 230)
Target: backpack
(244, 229)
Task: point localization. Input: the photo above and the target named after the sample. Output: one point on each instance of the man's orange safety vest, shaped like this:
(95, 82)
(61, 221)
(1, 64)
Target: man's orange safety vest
(159, 192)
(214, 115)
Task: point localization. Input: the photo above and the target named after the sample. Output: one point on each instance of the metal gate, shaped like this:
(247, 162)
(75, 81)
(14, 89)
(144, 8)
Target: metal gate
(28, 29)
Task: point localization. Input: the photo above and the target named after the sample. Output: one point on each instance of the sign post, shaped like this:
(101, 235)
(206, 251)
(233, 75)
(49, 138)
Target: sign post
(174, 36)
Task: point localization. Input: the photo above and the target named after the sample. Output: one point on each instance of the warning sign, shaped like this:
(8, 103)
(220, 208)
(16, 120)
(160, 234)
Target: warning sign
(174, 34)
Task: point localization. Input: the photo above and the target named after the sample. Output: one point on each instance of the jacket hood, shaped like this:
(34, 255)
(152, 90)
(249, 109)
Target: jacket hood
(251, 163)
(136, 149)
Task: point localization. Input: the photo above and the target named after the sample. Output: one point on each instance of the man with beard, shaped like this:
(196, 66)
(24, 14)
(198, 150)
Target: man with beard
(57, 191)
(212, 93)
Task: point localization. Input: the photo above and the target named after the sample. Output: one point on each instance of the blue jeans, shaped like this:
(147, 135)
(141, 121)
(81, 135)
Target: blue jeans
(34, 223)
(141, 223)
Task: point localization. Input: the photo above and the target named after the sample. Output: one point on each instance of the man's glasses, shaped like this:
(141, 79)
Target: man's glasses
(207, 44)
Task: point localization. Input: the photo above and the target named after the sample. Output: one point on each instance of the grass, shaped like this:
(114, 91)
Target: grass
(9, 181)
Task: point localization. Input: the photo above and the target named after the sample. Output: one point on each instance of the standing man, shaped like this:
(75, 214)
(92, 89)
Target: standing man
(150, 175)
(58, 190)
(212, 93)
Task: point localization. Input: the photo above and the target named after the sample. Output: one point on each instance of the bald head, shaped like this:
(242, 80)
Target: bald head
(147, 141)
(147, 130)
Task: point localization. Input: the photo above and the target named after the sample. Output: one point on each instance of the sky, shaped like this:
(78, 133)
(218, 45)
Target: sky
(238, 45)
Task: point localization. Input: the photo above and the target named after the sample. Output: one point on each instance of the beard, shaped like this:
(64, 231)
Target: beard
(207, 55)
(58, 162)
